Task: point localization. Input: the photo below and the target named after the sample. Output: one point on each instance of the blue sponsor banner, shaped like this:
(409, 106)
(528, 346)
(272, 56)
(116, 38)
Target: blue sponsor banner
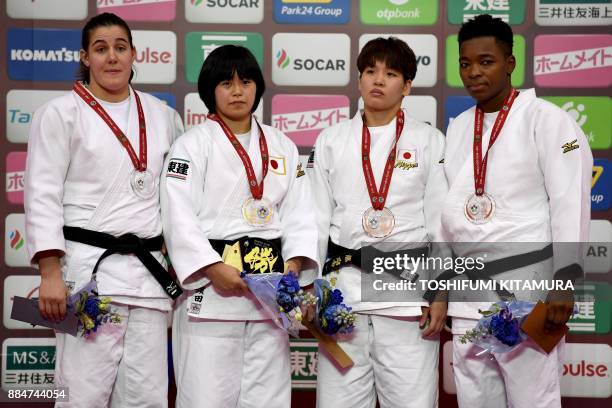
(43, 54)
(453, 107)
(312, 12)
(600, 190)
(169, 98)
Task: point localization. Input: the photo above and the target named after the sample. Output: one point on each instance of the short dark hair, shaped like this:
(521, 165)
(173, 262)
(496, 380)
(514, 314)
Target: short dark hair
(395, 53)
(101, 20)
(485, 25)
(220, 65)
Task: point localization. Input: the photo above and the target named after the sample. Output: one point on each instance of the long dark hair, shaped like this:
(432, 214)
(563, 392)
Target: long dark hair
(101, 20)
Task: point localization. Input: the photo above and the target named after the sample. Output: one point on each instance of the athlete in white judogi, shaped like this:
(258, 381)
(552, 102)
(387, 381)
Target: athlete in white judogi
(534, 188)
(396, 359)
(81, 181)
(228, 178)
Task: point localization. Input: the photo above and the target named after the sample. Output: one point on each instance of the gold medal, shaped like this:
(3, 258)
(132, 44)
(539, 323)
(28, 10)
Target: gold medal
(257, 212)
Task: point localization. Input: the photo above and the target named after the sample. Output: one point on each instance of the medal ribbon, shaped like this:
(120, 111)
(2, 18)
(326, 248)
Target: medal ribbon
(378, 197)
(480, 165)
(139, 164)
(256, 189)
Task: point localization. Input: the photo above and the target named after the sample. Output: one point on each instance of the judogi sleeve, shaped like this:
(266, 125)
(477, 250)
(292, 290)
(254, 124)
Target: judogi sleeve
(318, 174)
(299, 230)
(567, 164)
(436, 187)
(47, 163)
(181, 192)
(176, 125)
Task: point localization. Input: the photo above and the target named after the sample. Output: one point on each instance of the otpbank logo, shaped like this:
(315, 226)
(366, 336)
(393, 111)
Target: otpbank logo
(452, 61)
(155, 57)
(224, 11)
(592, 113)
(312, 11)
(425, 47)
(15, 253)
(303, 117)
(310, 59)
(141, 10)
(398, 12)
(47, 9)
(195, 110)
(20, 107)
(43, 54)
(15, 176)
(199, 45)
(562, 61)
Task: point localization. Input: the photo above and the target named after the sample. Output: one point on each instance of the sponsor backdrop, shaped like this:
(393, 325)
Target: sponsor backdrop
(307, 50)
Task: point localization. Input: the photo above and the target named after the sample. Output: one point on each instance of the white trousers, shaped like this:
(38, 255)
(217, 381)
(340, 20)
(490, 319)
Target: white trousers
(392, 361)
(124, 365)
(525, 377)
(230, 364)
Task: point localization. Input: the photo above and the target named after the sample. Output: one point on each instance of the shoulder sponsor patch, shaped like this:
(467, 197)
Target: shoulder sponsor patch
(178, 168)
(441, 161)
(569, 146)
(311, 158)
(300, 172)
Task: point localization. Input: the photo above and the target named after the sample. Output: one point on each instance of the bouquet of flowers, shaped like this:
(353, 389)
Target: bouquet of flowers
(280, 295)
(332, 315)
(91, 310)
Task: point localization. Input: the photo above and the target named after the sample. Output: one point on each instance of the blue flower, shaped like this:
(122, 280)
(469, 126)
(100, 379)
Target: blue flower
(92, 307)
(505, 328)
(335, 297)
(285, 301)
(289, 283)
(330, 325)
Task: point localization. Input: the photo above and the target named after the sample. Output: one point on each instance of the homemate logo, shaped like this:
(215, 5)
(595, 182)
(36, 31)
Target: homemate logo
(47, 9)
(570, 61)
(398, 12)
(20, 107)
(573, 12)
(140, 10)
(425, 47)
(452, 61)
(592, 113)
(198, 45)
(312, 12)
(310, 59)
(155, 57)
(224, 11)
(15, 177)
(43, 54)
(303, 117)
(195, 110)
(15, 253)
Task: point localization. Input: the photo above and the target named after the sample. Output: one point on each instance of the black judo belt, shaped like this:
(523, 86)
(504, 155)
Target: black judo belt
(128, 244)
(496, 267)
(258, 255)
(339, 256)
